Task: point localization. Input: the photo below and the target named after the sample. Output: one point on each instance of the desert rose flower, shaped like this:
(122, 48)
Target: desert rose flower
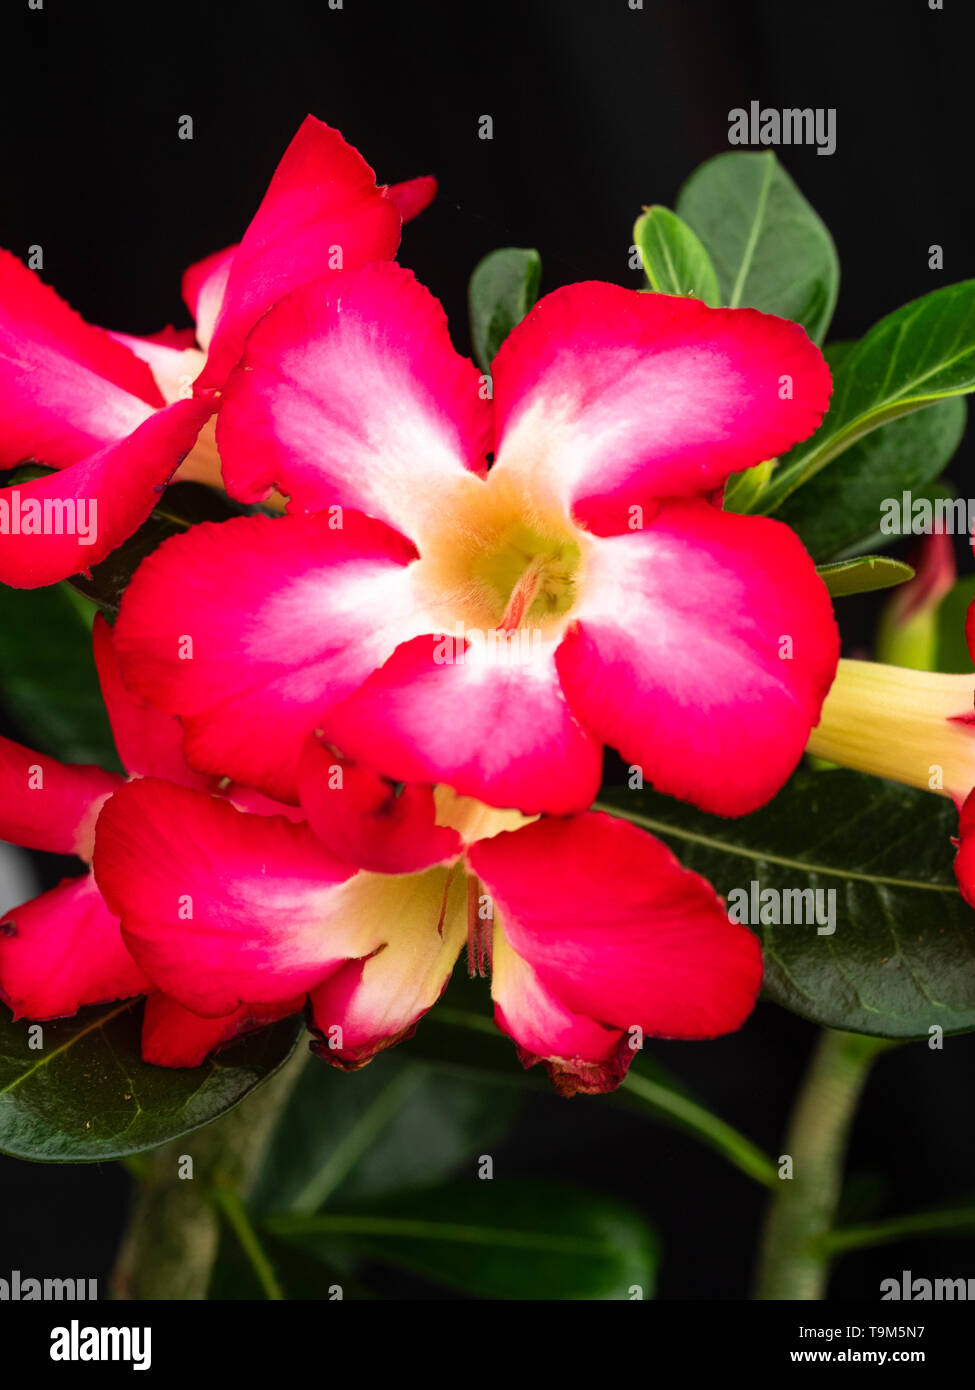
(594, 934)
(492, 629)
(111, 412)
(64, 949)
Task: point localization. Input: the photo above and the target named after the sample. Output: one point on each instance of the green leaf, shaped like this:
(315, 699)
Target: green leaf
(673, 258)
(87, 1095)
(902, 956)
(922, 353)
(863, 575)
(47, 674)
(398, 1123)
(497, 1239)
(839, 510)
(951, 647)
(769, 248)
(503, 287)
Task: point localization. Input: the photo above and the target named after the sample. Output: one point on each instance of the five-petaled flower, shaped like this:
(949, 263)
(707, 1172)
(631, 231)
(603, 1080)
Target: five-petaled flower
(698, 643)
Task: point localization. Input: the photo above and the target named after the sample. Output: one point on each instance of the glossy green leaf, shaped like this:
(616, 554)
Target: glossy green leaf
(902, 956)
(503, 287)
(674, 260)
(397, 1123)
(922, 353)
(863, 575)
(47, 674)
(87, 1095)
(839, 510)
(496, 1239)
(769, 248)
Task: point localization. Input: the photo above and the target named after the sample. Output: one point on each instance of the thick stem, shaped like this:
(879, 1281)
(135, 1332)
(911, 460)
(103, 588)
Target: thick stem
(795, 1258)
(171, 1242)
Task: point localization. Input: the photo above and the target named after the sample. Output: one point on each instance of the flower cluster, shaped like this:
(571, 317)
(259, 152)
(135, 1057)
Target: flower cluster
(347, 763)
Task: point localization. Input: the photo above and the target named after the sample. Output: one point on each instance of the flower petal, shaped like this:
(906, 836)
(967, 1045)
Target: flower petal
(219, 907)
(64, 950)
(49, 805)
(413, 196)
(351, 394)
(322, 200)
(204, 286)
(614, 931)
(150, 744)
(78, 516)
(364, 821)
(174, 1037)
(250, 666)
(66, 387)
(372, 1004)
(704, 648)
(498, 730)
(607, 398)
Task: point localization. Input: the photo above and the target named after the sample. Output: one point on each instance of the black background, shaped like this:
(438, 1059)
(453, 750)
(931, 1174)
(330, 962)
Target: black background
(597, 109)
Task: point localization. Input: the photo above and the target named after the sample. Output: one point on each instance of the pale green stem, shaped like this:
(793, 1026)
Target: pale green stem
(795, 1259)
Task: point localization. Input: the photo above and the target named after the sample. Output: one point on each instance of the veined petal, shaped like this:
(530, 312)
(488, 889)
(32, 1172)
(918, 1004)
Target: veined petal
(374, 1003)
(323, 201)
(64, 950)
(149, 743)
(607, 398)
(351, 394)
(703, 650)
(174, 1037)
(49, 805)
(251, 664)
(66, 387)
(499, 730)
(76, 517)
(364, 820)
(219, 907)
(614, 931)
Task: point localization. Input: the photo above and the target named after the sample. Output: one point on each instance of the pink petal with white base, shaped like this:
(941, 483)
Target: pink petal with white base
(49, 805)
(703, 650)
(606, 397)
(250, 629)
(219, 907)
(204, 286)
(350, 393)
(322, 201)
(174, 1037)
(500, 731)
(615, 932)
(64, 950)
(78, 516)
(363, 820)
(66, 388)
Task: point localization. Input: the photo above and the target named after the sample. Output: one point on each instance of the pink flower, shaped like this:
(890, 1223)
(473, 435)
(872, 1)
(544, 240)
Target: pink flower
(491, 630)
(595, 934)
(64, 949)
(114, 413)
